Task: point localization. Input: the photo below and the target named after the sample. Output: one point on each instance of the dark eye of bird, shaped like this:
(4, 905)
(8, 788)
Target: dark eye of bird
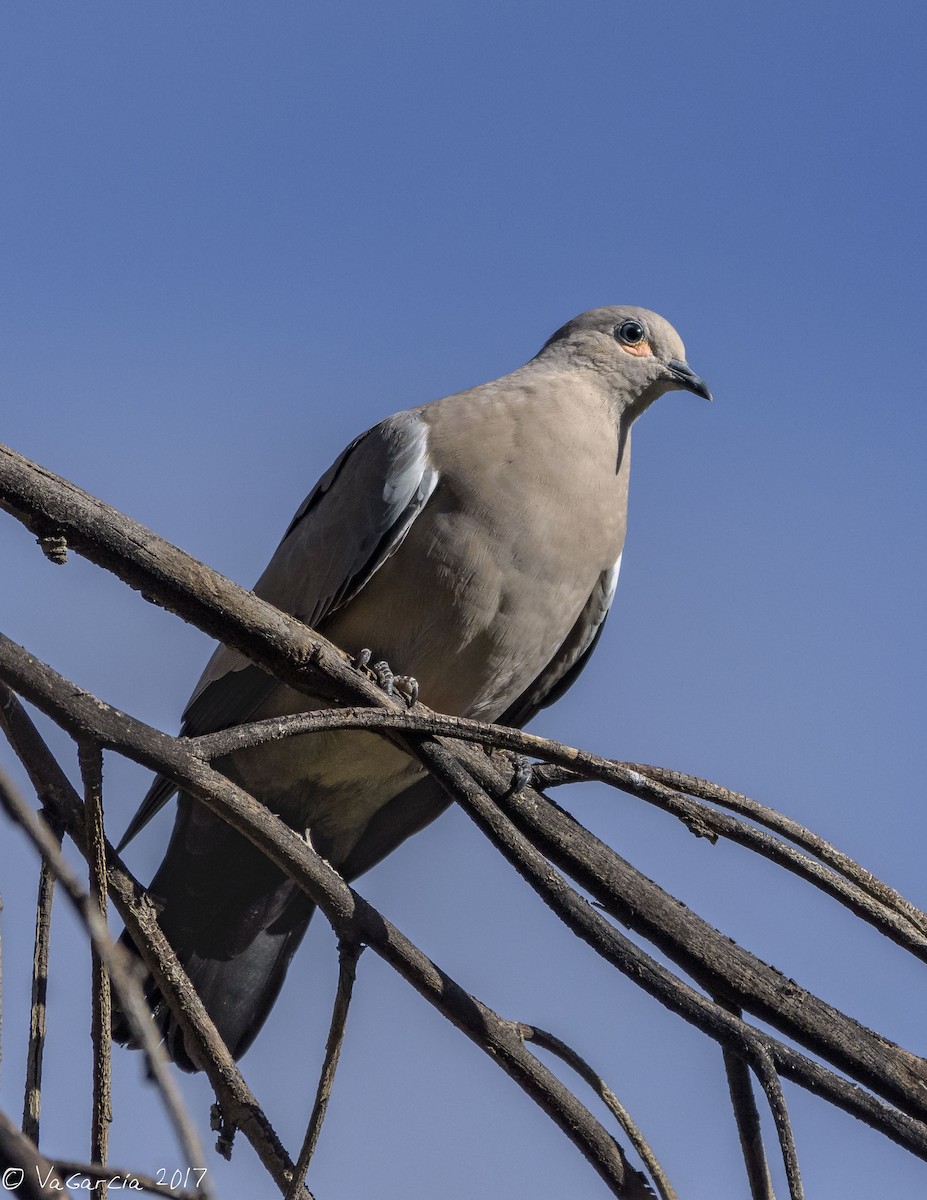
(630, 332)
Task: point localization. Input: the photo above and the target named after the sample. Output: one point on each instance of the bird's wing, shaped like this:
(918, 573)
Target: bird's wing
(355, 517)
(564, 668)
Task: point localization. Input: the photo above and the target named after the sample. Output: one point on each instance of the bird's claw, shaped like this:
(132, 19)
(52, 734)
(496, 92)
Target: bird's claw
(406, 687)
(522, 773)
(362, 661)
(383, 674)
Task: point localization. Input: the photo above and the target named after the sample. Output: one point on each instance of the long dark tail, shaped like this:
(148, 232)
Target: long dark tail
(234, 921)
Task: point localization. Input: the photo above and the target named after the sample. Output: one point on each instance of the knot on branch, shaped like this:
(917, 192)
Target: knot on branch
(699, 829)
(220, 1124)
(54, 547)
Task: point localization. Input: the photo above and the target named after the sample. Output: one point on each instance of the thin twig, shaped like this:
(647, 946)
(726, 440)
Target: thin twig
(133, 905)
(747, 1118)
(768, 1076)
(126, 985)
(90, 757)
(38, 1016)
(548, 1041)
(348, 954)
(795, 832)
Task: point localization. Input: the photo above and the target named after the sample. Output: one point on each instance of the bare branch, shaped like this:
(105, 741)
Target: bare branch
(132, 903)
(126, 985)
(166, 576)
(548, 1041)
(527, 828)
(348, 954)
(90, 757)
(769, 1078)
(842, 878)
(32, 1100)
(747, 1118)
(351, 917)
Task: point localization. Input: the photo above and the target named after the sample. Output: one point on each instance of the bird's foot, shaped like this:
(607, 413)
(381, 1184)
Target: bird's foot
(522, 771)
(405, 686)
(362, 661)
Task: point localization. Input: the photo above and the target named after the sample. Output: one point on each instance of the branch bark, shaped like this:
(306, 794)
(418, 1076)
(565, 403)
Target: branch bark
(91, 768)
(528, 828)
(352, 918)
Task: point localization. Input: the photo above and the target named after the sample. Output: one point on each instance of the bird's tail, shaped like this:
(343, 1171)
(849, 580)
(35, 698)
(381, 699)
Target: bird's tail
(234, 921)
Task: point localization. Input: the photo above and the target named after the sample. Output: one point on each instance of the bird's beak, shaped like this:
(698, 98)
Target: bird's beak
(686, 378)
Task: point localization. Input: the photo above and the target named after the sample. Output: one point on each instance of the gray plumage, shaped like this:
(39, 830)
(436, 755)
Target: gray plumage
(473, 543)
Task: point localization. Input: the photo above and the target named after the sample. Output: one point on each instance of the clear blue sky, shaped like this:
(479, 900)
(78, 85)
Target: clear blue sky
(235, 235)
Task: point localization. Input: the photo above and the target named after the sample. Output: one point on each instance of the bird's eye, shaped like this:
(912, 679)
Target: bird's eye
(630, 332)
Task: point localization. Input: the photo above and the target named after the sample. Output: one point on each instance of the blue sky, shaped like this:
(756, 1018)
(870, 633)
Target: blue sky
(232, 236)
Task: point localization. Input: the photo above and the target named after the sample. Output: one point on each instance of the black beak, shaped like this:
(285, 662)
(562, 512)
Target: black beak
(687, 379)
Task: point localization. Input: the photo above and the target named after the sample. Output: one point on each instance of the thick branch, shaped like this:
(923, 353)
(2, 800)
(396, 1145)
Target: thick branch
(722, 966)
(174, 580)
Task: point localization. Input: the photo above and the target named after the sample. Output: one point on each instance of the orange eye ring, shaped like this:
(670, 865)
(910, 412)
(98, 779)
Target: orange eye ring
(631, 333)
(632, 338)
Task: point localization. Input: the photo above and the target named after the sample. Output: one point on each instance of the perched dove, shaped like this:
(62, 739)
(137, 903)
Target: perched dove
(473, 543)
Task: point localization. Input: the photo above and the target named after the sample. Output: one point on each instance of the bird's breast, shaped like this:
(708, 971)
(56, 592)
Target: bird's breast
(494, 573)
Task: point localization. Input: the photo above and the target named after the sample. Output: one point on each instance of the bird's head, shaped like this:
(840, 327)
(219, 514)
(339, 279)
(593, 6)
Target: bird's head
(638, 354)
